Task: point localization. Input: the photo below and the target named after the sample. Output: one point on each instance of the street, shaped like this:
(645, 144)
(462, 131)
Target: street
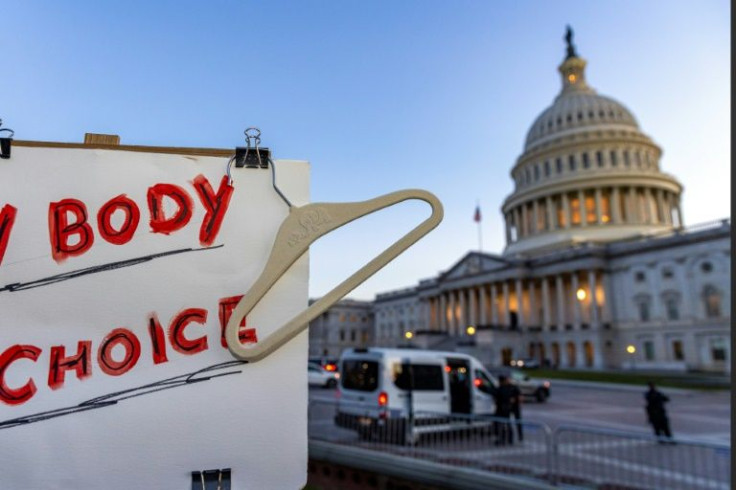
(591, 445)
(701, 415)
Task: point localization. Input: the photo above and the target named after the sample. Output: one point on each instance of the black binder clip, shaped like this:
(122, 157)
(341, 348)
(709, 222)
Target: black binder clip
(252, 156)
(5, 143)
(212, 479)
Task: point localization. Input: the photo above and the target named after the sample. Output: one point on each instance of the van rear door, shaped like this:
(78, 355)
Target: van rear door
(359, 385)
(427, 382)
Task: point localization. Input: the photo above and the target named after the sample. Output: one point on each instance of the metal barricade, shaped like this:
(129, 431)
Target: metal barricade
(602, 458)
(486, 443)
(571, 456)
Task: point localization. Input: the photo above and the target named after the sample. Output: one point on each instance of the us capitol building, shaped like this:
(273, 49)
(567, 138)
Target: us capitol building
(598, 271)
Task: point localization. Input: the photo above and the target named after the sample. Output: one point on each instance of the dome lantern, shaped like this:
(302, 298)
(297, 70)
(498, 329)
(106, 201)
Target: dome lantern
(573, 69)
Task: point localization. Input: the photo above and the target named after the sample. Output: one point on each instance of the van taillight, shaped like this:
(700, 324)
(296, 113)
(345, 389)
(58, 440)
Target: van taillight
(382, 399)
(330, 367)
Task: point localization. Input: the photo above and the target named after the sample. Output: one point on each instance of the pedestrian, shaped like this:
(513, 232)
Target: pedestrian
(504, 398)
(656, 413)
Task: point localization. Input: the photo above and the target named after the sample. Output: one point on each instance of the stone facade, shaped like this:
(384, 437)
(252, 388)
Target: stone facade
(348, 323)
(582, 307)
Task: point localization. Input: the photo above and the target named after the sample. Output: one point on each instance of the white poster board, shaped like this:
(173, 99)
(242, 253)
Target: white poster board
(117, 271)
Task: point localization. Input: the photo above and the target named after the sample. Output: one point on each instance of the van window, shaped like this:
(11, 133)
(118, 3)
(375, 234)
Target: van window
(426, 377)
(359, 375)
(483, 383)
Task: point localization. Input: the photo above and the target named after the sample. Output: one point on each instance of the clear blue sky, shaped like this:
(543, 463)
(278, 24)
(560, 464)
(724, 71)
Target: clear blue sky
(378, 96)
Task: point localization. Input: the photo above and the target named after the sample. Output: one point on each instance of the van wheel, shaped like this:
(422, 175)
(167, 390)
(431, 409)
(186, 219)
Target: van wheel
(541, 395)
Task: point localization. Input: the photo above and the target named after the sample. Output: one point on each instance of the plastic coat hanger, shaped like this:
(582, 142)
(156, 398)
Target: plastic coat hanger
(303, 226)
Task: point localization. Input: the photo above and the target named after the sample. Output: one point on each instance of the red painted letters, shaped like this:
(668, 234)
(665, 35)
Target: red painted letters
(7, 218)
(24, 393)
(215, 204)
(61, 229)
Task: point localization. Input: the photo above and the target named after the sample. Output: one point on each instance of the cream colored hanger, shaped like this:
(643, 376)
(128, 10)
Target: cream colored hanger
(302, 227)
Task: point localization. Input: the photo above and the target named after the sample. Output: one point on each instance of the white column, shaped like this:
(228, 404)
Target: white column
(560, 287)
(473, 305)
(520, 304)
(551, 217)
(453, 310)
(615, 206)
(428, 313)
(583, 211)
(599, 207)
(483, 305)
(607, 310)
(494, 307)
(545, 304)
(594, 320)
(517, 222)
(525, 220)
(464, 311)
(575, 303)
(533, 314)
(661, 216)
(535, 216)
(506, 313)
(442, 313)
(635, 216)
(566, 209)
(507, 219)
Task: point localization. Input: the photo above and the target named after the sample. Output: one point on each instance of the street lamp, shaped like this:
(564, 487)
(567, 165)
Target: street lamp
(581, 294)
(470, 330)
(409, 335)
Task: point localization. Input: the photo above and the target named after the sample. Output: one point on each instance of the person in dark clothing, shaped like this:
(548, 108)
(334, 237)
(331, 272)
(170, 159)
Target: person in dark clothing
(504, 398)
(656, 413)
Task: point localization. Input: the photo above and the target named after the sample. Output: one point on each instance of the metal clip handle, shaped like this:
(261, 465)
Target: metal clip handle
(302, 227)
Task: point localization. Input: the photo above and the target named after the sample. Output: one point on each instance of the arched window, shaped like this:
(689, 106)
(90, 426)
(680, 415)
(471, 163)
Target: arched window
(711, 301)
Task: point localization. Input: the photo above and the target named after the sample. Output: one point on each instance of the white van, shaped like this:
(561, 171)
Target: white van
(381, 389)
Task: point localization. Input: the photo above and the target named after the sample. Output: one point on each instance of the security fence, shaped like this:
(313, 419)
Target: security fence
(569, 456)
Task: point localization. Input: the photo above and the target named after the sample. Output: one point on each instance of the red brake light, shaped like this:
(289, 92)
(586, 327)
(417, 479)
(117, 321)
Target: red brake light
(330, 367)
(448, 369)
(477, 382)
(382, 399)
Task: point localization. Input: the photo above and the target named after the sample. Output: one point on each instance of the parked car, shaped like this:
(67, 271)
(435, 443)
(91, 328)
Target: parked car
(329, 363)
(319, 376)
(540, 390)
(527, 363)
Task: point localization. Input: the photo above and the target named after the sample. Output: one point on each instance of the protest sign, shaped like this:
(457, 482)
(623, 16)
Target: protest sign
(119, 269)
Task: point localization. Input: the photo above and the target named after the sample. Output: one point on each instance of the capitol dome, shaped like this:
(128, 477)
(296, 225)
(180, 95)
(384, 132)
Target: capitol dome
(587, 173)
